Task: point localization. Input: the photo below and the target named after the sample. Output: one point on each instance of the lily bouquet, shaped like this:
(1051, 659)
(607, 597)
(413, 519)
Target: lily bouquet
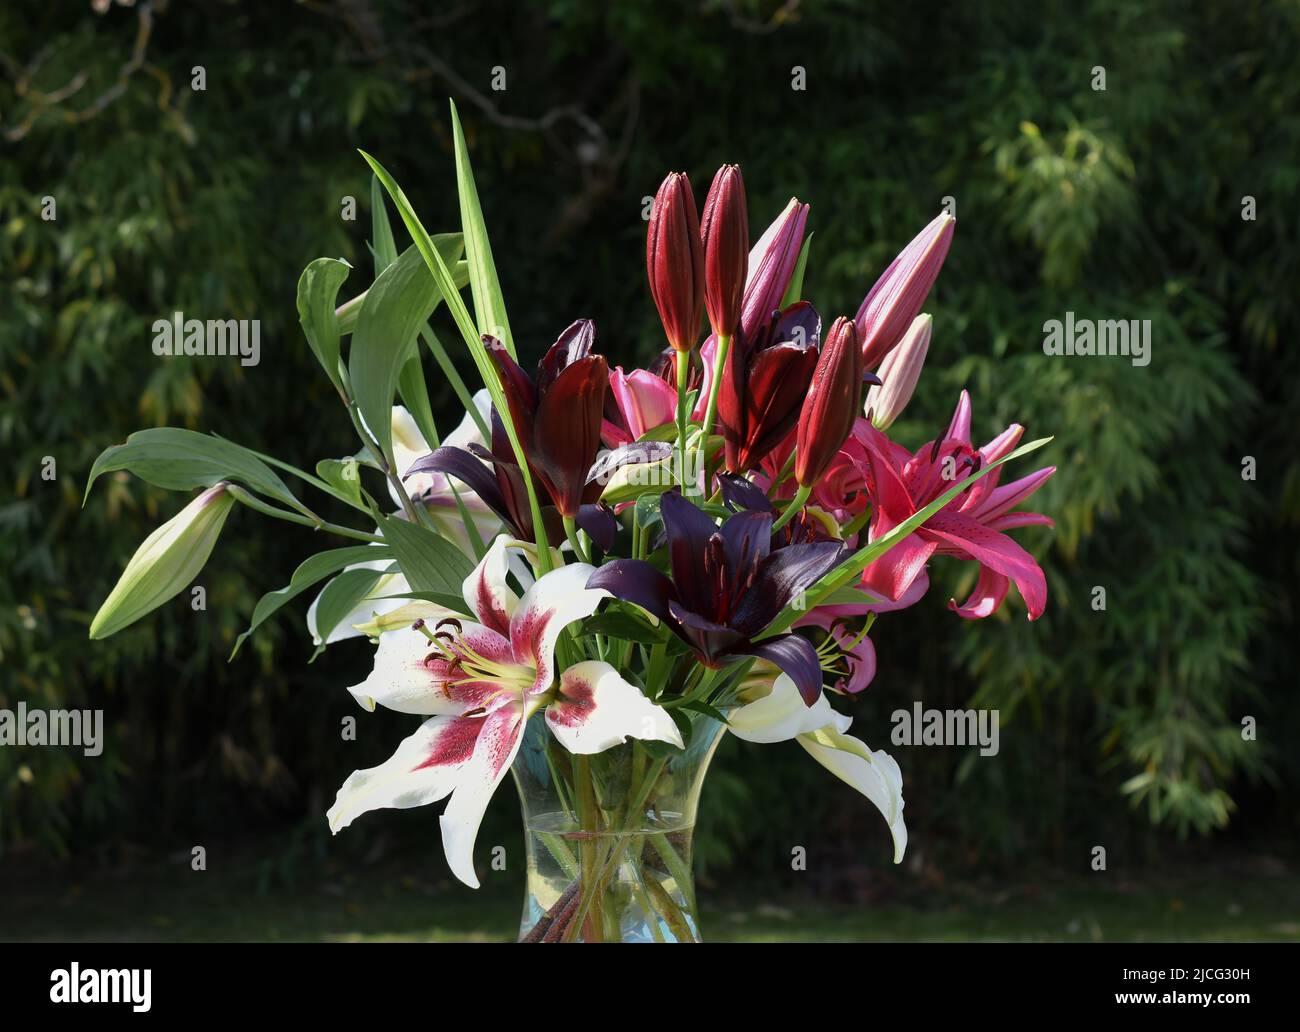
(601, 571)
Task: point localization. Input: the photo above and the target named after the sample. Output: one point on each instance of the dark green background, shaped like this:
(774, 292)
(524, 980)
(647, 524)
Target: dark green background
(1120, 728)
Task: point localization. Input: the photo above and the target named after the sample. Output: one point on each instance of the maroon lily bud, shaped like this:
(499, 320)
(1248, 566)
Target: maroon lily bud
(725, 231)
(674, 261)
(832, 404)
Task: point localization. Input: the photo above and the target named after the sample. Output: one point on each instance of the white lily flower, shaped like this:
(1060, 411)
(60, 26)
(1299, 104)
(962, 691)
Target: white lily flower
(781, 714)
(478, 683)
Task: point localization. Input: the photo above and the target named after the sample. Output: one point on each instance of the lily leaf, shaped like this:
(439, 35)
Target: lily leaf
(430, 562)
(342, 595)
(489, 305)
(311, 570)
(318, 291)
(182, 460)
(400, 302)
(382, 244)
(343, 477)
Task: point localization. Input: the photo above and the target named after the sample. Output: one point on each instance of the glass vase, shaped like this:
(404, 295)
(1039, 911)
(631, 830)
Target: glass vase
(608, 837)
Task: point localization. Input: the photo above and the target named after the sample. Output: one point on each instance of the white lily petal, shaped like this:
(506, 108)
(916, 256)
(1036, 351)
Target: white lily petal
(467, 432)
(549, 606)
(423, 770)
(372, 605)
(486, 591)
(494, 751)
(408, 445)
(597, 709)
(401, 680)
(782, 714)
(872, 772)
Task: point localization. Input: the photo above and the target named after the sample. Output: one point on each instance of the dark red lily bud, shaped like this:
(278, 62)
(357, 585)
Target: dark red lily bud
(725, 231)
(832, 403)
(674, 261)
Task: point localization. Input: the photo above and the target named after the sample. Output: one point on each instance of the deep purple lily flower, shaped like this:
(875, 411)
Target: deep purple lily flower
(728, 584)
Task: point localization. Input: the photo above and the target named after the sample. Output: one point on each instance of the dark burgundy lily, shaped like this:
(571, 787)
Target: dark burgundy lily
(557, 418)
(728, 584)
(725, 233)
(764, 384)
(831, 406)
(674, 261)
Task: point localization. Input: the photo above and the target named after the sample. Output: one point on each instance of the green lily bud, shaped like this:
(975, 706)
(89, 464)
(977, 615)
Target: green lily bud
(168, 560)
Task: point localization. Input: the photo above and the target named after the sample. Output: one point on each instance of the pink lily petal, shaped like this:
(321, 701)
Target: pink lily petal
(486, 591)
(989, 591)
(959, 428)
(1008, 496)
(423, 770)
(476, 779)
(1012, 520)
(968, 537)
(894, 573)
(645, 400)
(549, 606)
(597, 709)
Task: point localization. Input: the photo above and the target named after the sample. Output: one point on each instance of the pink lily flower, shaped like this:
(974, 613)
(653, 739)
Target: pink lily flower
(478, 684)
(969, 527)
(643, 400)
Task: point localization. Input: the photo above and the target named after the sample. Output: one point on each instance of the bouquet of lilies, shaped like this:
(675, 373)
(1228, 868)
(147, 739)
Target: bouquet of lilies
(599, 570)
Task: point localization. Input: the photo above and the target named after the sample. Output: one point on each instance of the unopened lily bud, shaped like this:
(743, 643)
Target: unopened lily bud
(896, 299)
(832, 404)
(898, 375)
(725, 232)
(168, 560)
(674, 259)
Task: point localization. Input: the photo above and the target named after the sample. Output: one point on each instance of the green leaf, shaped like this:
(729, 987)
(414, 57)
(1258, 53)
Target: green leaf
(626, 622)
(318, 290)
(489, 305)
(181, 460)
(311, 570)
(400, 302)
(344, 478)
(456, 603)
(381, 232)
(794, 292)
(342, 595)
(429, 561)
(415, 396)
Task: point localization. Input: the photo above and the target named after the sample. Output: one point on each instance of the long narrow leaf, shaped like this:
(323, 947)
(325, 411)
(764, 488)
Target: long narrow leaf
(489, 305)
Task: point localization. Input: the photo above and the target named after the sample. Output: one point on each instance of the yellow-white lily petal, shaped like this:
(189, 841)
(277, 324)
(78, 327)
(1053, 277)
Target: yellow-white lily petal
(596, 709)
(872, 772)
(781, 714)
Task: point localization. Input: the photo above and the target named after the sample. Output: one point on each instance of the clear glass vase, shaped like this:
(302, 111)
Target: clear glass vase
(608, 837)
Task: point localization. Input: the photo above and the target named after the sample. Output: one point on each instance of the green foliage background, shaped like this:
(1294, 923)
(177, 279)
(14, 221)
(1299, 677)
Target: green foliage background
(1120, 727)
